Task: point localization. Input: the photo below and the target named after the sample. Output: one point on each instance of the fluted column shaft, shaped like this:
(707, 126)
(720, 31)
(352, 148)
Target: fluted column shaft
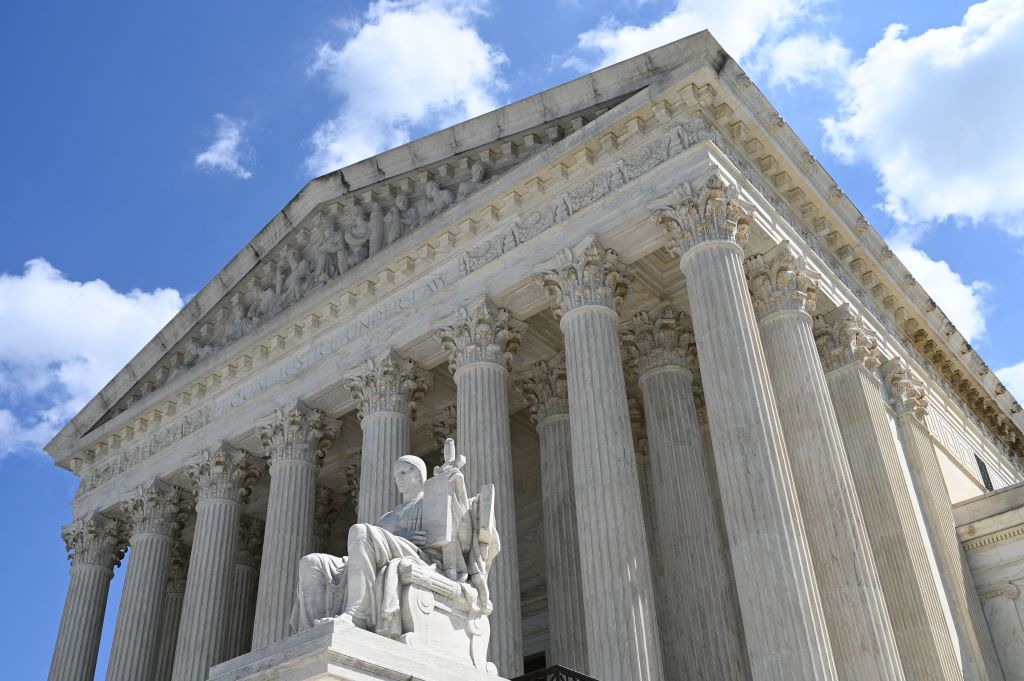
(880, 478)
(386, 391)
(153, 515)
(243, 589)
(480, 345)
(294, 444)
(94, 545)
(618, 594)
(785, 631)
(977, 651)
(221, 479)
(547, 391)
(172, 614)
(696, 580)
(863, 642)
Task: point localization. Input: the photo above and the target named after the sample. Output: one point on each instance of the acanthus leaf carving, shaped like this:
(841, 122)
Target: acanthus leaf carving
(843, 339)
(546, 388)
(95, 539)
(588, 274)
(481, 332)
(713, 211)
(223, 473)
(781, 281)
(299, 433)
(389, 383)
(907, 393)
(155, 508)
(657, 338)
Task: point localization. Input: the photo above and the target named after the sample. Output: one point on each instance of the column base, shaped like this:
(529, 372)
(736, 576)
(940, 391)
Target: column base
(335, 651)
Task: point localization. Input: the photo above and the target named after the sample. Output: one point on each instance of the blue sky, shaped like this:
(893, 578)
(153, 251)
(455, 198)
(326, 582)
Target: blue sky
(143, 145)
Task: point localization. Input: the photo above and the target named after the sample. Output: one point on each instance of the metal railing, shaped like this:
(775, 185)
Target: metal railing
(555, 673)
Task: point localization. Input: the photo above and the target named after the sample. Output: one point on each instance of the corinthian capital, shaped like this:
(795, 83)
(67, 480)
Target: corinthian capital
(443, 425)
(710, 211)
(299, 433)
(250, 541)
(780, 281)
(95, 540)
(178, 575)
(842, 339)
(482, 332)
(661, 337)
(224, 473)
(155, 508)
(906, 391)
(325, 514)
(586, 275)
(389, 383)
(546, 388)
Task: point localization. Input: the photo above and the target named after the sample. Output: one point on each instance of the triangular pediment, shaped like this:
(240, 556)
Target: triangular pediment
(351, 215)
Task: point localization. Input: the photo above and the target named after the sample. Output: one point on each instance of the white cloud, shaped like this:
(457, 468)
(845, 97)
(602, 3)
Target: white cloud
(739, 25)
(937, 115)
(226, 151)
(407, 63)
(964, 303)
(804, 59)
(60, 342)
(1013, 378)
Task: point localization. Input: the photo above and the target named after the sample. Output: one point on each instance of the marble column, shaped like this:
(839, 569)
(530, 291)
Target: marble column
(587, 284)
(386, 391)
(172, 613)
(863, 642)
(295, 443)
(849, 355)
(642, 448)
(243, 587)
(783, 623)
(222, 479)
(154, 514)
(908, 399)
(546, 389)
(480, 344)
(95, 545)
(694, 584)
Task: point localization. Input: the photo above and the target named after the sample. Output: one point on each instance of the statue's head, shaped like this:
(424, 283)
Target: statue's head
(410, 473)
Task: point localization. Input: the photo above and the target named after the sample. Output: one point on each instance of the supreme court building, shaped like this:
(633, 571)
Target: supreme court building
(730, 436)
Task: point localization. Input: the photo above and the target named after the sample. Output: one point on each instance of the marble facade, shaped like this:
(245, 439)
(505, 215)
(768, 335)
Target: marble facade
(651, 233)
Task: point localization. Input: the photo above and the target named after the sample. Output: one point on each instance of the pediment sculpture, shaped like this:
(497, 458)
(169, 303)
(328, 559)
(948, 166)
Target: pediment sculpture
(419, 575)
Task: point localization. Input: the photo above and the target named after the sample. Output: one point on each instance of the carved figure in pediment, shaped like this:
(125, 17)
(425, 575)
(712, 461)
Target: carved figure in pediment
(260, 301)
(400, 219)
(436, 546)
(376, 228)
(332, 256)
(475, 181)
(236, 325)
(437, 199)
(357, 236)
(294, 284)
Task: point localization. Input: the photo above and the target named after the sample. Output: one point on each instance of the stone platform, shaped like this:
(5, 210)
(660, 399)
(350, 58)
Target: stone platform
(341, 652)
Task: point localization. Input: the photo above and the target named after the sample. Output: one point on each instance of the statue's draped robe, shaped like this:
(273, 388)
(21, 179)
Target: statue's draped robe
(364, 583)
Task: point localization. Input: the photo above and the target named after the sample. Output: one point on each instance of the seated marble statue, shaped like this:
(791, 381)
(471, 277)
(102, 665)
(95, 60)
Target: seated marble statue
(443, 545)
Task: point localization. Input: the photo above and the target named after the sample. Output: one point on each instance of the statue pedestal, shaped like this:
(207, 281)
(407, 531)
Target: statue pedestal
(341, 652)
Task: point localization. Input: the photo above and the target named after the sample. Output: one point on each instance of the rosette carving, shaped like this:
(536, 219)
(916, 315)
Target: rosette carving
(224, 473)
(710, 211)
(95, 540)
(299, 433)
(482, 332)
(589, 274)
(546, 388)
(842, 339)
(389, 383)
(660, 337)
(156, 508)
(780, 281)
(907, 393)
